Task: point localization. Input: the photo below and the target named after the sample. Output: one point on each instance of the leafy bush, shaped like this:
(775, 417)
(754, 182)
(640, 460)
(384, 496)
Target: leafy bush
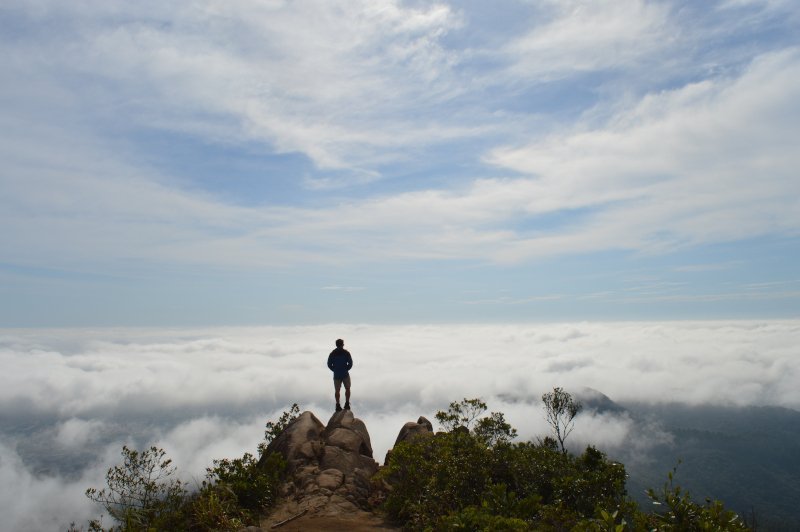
(453, 477)
(677, 511)
(142, 495)
(214, 509)
(461, 414)
(474, 518)
(478, 480)
(474, 478)
(274, 429)
(236, 491)
(494, 429)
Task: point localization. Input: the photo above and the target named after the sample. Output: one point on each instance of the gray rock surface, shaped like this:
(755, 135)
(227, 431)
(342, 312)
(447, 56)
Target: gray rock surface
(330, 466)
(329, 485)
(421, 429)
(411, 430)
(295, 443)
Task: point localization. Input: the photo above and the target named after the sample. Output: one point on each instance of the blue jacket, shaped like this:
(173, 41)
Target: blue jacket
(340, 362)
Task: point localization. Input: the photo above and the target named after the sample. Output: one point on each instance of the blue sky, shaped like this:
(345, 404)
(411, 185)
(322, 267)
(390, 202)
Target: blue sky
(258, 162)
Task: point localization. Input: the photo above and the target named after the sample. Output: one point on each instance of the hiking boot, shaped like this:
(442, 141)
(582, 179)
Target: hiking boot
(347, 405)
(339, 407)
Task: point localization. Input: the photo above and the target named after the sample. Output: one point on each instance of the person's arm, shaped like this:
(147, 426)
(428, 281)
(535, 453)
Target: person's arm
(330, 362)
(349, 361)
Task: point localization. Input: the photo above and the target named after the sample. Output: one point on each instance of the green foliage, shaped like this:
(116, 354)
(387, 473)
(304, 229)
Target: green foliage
(140, 493)
(478, 480)
(474, 518)
(470, 478)
(607, 522)
(560, 411)
(677, 511)
(491, 429)
(494, 429)
(461, 414)
(274, 429)
(215, 509)
(434, 476)
(236, 491)
(455, 479)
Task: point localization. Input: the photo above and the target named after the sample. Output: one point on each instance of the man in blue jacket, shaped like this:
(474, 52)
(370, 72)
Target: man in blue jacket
(340, 362)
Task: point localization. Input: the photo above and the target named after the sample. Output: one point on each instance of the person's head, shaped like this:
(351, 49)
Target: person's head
(339, 343)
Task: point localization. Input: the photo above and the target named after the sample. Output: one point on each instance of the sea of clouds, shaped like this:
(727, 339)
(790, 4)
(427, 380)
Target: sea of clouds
(69, 399)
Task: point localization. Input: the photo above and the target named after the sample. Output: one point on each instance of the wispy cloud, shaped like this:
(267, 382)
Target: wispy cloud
(708, 267)
(725, 296)
(337, 288)
(418, 135)
(676, 170)
(581, 37)
(510, 300)
(330, 81)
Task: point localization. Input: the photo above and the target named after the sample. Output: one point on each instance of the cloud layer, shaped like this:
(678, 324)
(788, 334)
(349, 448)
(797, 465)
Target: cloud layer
(71, 398)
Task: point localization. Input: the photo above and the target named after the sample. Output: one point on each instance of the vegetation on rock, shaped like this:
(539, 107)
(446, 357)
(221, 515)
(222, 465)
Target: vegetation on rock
(143, 495)
(468, 478)
(472, 476)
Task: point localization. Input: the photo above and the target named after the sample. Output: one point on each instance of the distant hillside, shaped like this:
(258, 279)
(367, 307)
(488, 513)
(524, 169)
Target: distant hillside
(748, 457)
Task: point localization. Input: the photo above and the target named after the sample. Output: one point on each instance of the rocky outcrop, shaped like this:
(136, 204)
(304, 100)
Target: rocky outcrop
(422, 428)
(411, 430)
(329, 466)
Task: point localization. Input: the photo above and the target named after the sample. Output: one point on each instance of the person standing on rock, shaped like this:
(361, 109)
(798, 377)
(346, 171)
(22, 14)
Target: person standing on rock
(340, 362)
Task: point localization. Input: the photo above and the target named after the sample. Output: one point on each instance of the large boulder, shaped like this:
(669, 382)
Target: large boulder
(295, 443)
(331, 469)
(347, 462)
(411, 430)
(327, 463)
(345, 439)
(422, 428)
(345, 421)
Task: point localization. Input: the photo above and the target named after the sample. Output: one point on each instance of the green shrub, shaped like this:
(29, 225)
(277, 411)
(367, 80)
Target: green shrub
(473, 518)
(236, 491)
(274, 429)
(254, 487)
(434, 476)
(142, 495)
(675, 510)
(478, 478)
(474, 478)
(215, 509)
(454, 477)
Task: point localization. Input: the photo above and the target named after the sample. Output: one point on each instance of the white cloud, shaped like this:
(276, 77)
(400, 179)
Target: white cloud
(706, 162)
(206, 394)
(262, 369)
(330, 80)
(709, 162)
(75, 433)
(31, 502)
(591, 36)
